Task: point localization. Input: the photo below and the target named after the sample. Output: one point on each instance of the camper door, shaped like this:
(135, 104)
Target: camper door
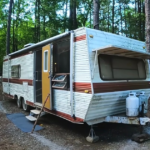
(46, 79)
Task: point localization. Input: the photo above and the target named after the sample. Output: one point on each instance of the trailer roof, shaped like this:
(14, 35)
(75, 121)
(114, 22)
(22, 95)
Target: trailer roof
(42, 43)
(122, 51)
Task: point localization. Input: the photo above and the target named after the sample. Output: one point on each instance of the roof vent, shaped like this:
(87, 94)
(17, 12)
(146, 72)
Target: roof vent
(29, 44)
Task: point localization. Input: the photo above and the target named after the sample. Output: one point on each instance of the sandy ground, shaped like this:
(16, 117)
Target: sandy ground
(59, 134)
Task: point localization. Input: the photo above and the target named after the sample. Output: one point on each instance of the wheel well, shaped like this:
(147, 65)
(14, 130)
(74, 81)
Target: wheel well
(15, 97)
(22, 98)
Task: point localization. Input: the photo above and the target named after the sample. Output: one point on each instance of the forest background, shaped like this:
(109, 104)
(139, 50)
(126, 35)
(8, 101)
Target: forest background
(35, 20)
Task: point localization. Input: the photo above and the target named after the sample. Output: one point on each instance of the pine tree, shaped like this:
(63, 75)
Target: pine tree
(8, 28)
(96, 6)
(147, 13)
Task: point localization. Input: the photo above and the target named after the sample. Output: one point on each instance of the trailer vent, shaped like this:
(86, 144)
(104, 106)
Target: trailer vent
(29, 44)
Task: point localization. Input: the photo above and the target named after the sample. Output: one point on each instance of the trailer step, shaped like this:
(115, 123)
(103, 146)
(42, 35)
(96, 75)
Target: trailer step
(31, 118)
(40, 113)
(35, 111)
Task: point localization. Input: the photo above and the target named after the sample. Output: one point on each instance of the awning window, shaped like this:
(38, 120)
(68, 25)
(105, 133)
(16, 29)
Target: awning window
(120, 51)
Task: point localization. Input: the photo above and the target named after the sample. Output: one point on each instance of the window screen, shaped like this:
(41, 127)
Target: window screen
(46, 61)
(121, 68)
(16, 71)
(64, 64)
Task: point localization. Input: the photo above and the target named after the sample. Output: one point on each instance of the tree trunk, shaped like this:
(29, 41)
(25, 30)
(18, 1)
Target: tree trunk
(113, 14)
(17, 24)
(72, 18)
(108, 20)
(121, 18)
(35, 26)
(65, 17)
(140, 20)
(147, 13)
(13, 32)
(38, 17)
(143, 24)
(135, 6)
(125, 21)
(8, 28)
(130, 27)
(96, 6)
(44, 26)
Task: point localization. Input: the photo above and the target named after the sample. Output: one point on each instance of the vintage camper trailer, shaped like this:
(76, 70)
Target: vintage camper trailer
(88, 73)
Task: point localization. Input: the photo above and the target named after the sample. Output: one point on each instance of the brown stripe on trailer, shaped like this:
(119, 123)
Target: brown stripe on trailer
(78, 86)
(64, 116)
(98, 87)
(8, 95)
(59, 114)
(81, 87)
(80, 38)
(56, 113)
(120, 86)
(29, 103)
(5, 60)
(18, 81)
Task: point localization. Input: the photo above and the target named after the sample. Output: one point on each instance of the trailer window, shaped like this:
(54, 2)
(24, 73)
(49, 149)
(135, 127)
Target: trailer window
(45, 61)
(16, 71)
(121, 68)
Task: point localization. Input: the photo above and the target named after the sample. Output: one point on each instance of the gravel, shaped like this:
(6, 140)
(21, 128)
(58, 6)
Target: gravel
(59, 134)
(12, 138)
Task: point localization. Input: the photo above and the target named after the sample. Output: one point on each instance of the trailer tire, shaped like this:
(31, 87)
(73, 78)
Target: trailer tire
(19, 102)
(25, 106)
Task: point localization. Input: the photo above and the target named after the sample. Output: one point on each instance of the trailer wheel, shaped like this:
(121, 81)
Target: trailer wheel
(25, 106)
(19, 102)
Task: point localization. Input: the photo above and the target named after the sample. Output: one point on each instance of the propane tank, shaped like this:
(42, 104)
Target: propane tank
(132, 105)
(143, 100)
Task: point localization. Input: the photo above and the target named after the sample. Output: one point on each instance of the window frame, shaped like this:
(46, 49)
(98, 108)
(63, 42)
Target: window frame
(19, 71)
(46, 51)
(112, 56)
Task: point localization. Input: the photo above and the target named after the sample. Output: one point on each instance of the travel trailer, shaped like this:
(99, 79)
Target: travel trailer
(88, 73)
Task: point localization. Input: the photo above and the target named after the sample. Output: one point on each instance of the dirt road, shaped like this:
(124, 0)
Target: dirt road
(59, 134)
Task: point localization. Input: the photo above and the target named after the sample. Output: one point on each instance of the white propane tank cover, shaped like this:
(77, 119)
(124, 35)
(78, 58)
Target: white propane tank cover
(132, 105)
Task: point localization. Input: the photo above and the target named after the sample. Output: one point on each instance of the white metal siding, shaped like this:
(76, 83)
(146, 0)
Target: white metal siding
(17, 89)
(61, 102)
(111, 103)
(26, 63)
(81, 71)
(5, 87)
(82, 101)
(5, 69)
(102, 39)
(81, 59)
